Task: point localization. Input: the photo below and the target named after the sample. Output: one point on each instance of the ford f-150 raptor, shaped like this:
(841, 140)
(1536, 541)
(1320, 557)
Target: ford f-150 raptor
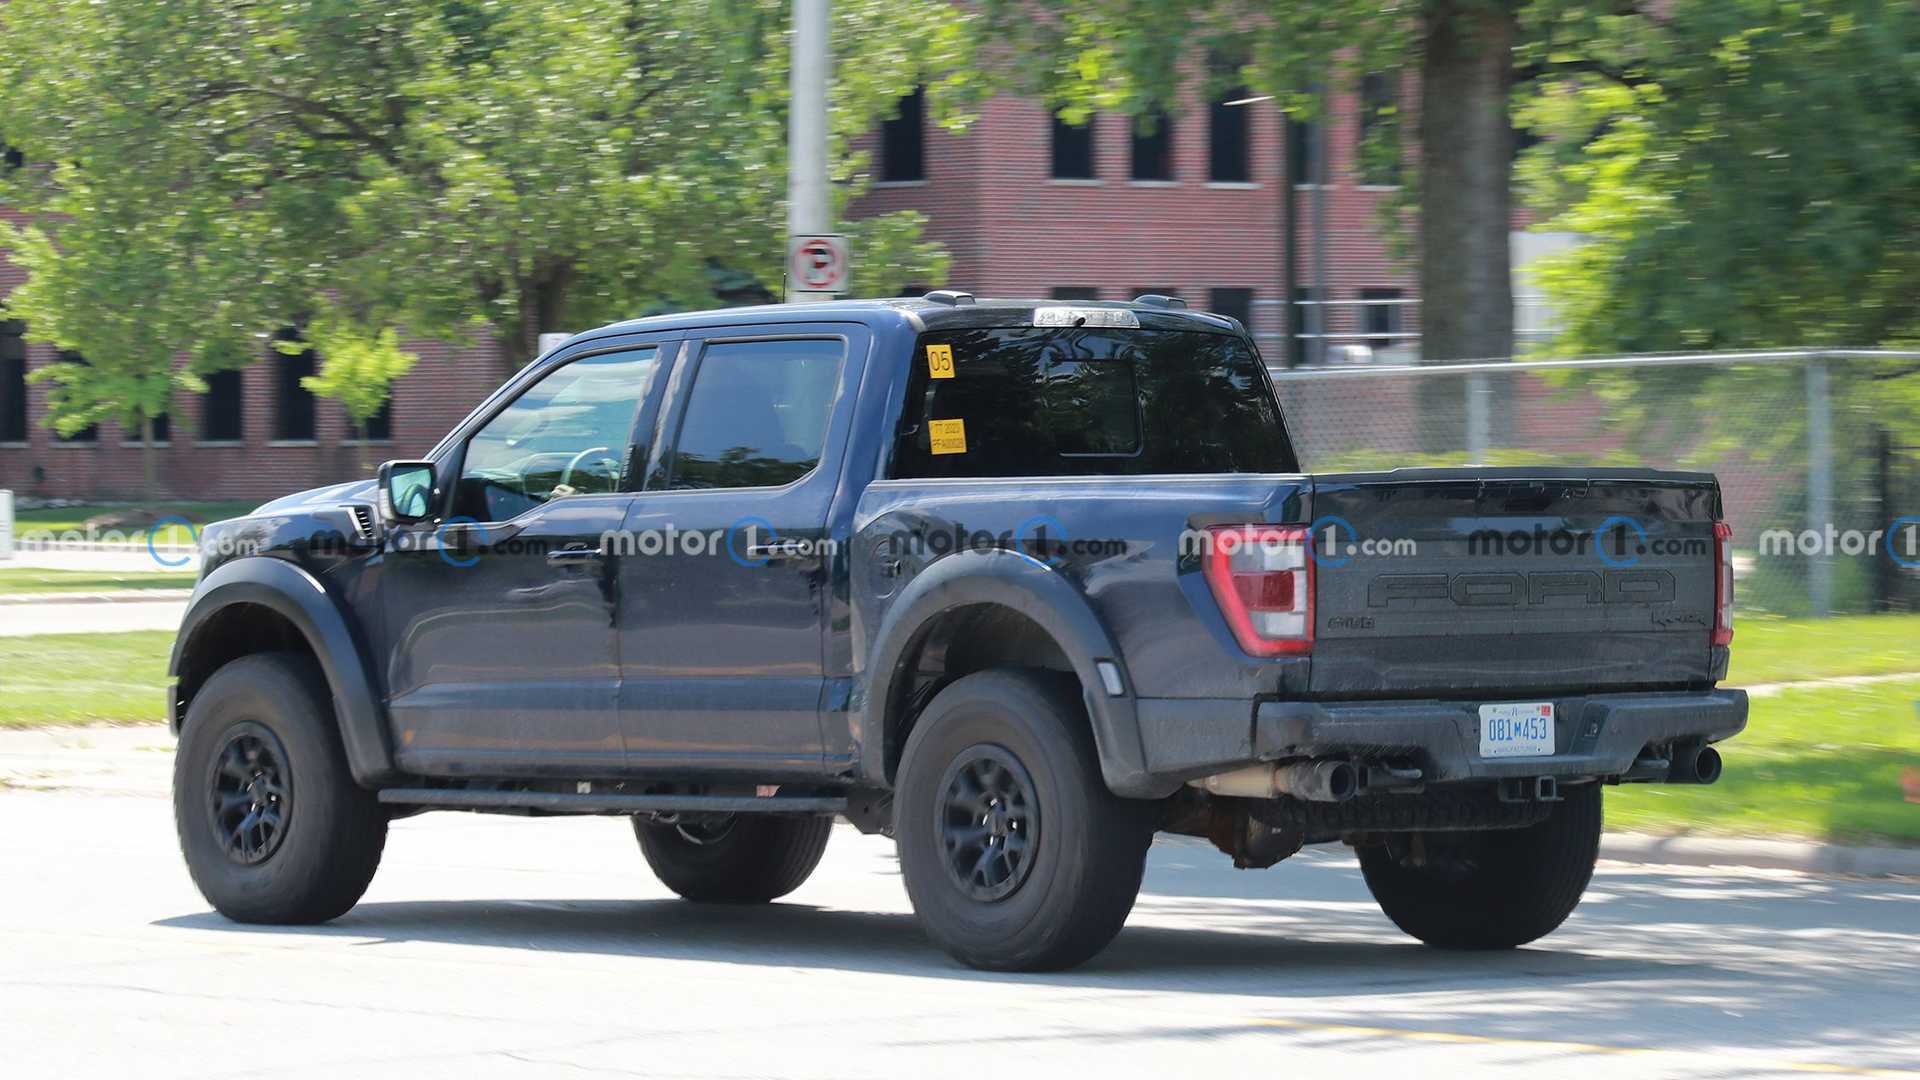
(1017, 583)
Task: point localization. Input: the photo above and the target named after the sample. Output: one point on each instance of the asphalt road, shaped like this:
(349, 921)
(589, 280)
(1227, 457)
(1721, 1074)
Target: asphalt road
(543, 947)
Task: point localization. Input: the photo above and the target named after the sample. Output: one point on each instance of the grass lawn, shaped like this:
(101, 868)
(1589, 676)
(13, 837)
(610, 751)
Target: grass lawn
(1780, 650)
(1824, 762)
(74, 518)
(27, 579)
(84, 678)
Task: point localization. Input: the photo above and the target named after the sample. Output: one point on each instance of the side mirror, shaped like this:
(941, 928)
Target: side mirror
(406, 490)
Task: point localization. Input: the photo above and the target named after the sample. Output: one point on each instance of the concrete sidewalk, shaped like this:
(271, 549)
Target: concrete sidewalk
(92, 617)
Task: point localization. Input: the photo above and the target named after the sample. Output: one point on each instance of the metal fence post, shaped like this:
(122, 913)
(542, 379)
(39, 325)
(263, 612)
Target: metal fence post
(6, 524)
(1477, 419)
(1820, 485)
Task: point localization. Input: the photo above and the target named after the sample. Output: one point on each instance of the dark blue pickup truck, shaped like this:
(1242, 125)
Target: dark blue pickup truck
(1017, 583)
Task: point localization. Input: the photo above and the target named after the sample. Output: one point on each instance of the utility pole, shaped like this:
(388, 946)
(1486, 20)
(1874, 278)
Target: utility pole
(809, 211)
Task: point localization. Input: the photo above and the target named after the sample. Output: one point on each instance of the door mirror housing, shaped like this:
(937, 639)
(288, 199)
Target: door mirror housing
(406, 490)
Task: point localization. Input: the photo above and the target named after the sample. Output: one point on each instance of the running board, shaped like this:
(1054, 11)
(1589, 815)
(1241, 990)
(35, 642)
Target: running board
(565, 802)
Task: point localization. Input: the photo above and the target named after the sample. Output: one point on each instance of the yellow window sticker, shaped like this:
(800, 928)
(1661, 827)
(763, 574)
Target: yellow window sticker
(940, 366)
(947, 436)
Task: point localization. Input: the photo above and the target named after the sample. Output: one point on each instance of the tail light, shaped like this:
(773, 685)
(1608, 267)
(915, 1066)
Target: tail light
(1722, 583)
(1262, 578)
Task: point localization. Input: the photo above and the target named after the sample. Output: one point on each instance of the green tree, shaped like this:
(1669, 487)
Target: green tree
(1759, 186)
(123, 289)
(358, 367)
(1465, 56)
(453, 165)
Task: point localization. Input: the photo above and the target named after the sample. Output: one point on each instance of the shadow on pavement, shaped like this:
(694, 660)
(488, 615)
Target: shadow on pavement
(796, 935)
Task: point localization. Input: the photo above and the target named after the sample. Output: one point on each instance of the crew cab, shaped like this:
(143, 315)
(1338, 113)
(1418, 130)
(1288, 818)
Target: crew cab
(1016, 583)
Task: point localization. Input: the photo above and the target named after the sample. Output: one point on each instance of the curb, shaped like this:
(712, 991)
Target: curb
(1803, 856)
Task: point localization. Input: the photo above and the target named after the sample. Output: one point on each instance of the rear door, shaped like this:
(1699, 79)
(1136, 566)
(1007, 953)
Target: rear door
(1478, 581)
(724, 588)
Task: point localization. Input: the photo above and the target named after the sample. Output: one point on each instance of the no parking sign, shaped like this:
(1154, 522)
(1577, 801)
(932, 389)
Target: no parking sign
(817, 263)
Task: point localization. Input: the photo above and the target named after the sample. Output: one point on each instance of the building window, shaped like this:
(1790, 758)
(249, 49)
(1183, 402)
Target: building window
(90, 433)
(13, 381)
(1304, 147)
(1379, 101)
(1072, 149)
(380, 424)
(1074, 292)
(1227, 139)
(293, 414)
(1153, 147)
(903, 141)
(1233, 303)
(221, 419)
(1381, 319)
(162, 430)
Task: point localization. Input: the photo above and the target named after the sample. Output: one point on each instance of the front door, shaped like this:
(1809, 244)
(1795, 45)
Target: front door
(724, 599)
(506, 656)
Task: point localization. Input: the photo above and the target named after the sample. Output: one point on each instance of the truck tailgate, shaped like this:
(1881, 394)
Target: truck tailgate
(1496, 582)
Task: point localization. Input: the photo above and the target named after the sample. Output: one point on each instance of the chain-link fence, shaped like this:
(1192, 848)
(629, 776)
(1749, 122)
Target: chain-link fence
(1817, 451)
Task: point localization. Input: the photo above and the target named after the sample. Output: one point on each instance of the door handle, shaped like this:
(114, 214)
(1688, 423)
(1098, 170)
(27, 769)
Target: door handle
(575, 556)
(777, 552)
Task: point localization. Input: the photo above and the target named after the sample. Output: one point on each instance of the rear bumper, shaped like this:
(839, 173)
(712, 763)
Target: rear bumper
(1595, 735)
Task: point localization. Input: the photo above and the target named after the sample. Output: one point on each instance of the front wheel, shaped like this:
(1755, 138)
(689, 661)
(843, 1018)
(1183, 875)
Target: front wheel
(272, 825)
(734, 858)
(1014, 853)
(1490, 889)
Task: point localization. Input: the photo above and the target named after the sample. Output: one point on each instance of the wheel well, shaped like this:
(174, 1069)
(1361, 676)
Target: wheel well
(957, 642)
(234, 631)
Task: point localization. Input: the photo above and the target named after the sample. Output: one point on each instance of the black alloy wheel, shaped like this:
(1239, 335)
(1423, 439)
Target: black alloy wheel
(989, 822)
(250, 790)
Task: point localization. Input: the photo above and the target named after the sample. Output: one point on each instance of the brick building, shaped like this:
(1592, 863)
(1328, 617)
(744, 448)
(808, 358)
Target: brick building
(1215, 204)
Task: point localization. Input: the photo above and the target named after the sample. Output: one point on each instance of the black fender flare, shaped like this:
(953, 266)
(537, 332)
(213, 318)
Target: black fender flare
(1018, 581)
(300, 598)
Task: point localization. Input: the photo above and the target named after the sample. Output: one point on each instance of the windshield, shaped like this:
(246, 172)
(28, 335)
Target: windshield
(1087, 401)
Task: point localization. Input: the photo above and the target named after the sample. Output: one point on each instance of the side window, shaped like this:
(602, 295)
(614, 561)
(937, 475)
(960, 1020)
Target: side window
(758, 414)
(569, 434)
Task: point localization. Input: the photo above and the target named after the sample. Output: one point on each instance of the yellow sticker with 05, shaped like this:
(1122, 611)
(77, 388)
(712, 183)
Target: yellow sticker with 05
(947, 436)
(939, 361)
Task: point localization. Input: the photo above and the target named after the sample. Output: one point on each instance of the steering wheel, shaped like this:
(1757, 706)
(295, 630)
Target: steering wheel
(566, 474)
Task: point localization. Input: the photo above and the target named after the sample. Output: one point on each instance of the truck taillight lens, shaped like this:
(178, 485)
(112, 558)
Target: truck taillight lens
(1722, 583)
(1262, 578)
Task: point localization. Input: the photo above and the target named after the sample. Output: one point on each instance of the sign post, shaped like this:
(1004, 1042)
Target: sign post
(6, 524)
(813, 253)
(817, 265)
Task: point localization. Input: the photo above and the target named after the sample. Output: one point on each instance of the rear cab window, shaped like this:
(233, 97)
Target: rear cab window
(1087, 400)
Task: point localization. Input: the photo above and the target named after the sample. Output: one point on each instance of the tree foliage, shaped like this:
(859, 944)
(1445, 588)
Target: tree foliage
(1756, 185)
(231, 168)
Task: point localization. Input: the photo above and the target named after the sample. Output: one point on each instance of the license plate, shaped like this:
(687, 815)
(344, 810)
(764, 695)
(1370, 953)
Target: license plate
(1516, 729)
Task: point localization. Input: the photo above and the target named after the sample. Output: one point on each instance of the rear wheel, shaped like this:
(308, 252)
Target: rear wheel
(1015, 854)
(1490, 889)
(272, 825)
(734, 858)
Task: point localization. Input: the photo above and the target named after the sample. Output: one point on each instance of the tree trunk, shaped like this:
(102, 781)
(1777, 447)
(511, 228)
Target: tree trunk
(360, 444)
(148, 467)
(1466, 201)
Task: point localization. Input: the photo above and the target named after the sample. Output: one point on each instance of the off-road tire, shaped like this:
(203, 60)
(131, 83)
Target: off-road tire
(757, 859)
(1496, 889)
(1087, 848)
(332, 830)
